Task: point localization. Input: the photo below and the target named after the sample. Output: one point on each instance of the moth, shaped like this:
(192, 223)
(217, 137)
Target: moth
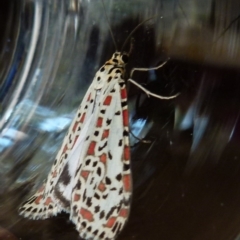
(91, 176)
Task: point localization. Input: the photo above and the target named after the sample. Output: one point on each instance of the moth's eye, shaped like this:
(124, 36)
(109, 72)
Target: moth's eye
(125, 58)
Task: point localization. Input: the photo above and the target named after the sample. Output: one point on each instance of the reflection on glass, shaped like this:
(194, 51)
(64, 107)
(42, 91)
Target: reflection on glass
(186, 179)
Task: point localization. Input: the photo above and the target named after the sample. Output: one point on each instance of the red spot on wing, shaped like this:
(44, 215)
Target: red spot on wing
(105, 134)
(75, 141)
(127, 183)
(123, 93)
(48, 201)
(99, 122)
(89, 97)
(126, 153)
(123, 213)
(110, 222)
(76, 197)
(91, 148)
(65, 149)
(125, 118)
(103, 158)
(101, 187)
(107, 100)
(85, 174)
(86, 214)
(38, 199)
(82, 118)
(75, 126)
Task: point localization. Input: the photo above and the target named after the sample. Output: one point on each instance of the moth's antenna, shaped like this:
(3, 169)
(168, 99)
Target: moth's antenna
(131, 46)
(133, 31)
(226, 29)
(105, 12)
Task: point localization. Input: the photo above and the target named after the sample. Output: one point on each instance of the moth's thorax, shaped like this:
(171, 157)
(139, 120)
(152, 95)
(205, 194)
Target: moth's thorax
(113, 69)
(119, 59)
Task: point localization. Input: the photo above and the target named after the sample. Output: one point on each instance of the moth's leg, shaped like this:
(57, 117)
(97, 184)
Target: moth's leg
(139, 139)
(144, 89)
(148, 93)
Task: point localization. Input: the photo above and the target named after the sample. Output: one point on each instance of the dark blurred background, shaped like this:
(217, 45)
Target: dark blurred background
(186, 181)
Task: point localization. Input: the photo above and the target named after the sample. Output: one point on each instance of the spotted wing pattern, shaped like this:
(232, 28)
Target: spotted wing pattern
(90, 178)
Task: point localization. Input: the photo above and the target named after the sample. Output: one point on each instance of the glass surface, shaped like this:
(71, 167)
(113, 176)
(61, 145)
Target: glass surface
(186, 178)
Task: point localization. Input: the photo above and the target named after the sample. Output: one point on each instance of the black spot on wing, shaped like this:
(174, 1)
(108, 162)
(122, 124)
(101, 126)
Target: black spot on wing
(88, 161)
(101, 236)
(29, 201)
(122, 84)
(108, 181)
(110, 212)
(80, 166)
(101, 148)
(74, 208)
(99, 171)
(115, 227)
(102, 214)
(89, 202)
(28, 209)
(84, 195)
(113, 91)
(119, 177)
(97, 208)
(125, 133)
(109, 155)
(108, 121)
(126, 167)
(96, 196)
(78, 185)
(119, 228)
(105, 196)
(124, 104)
(84, 224)
(65, 177)
(21, 209)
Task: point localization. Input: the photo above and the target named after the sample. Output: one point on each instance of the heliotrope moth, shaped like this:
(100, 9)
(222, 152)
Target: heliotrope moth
(91, 176)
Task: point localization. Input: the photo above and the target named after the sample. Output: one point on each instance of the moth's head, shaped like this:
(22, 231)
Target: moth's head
(120, 58)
